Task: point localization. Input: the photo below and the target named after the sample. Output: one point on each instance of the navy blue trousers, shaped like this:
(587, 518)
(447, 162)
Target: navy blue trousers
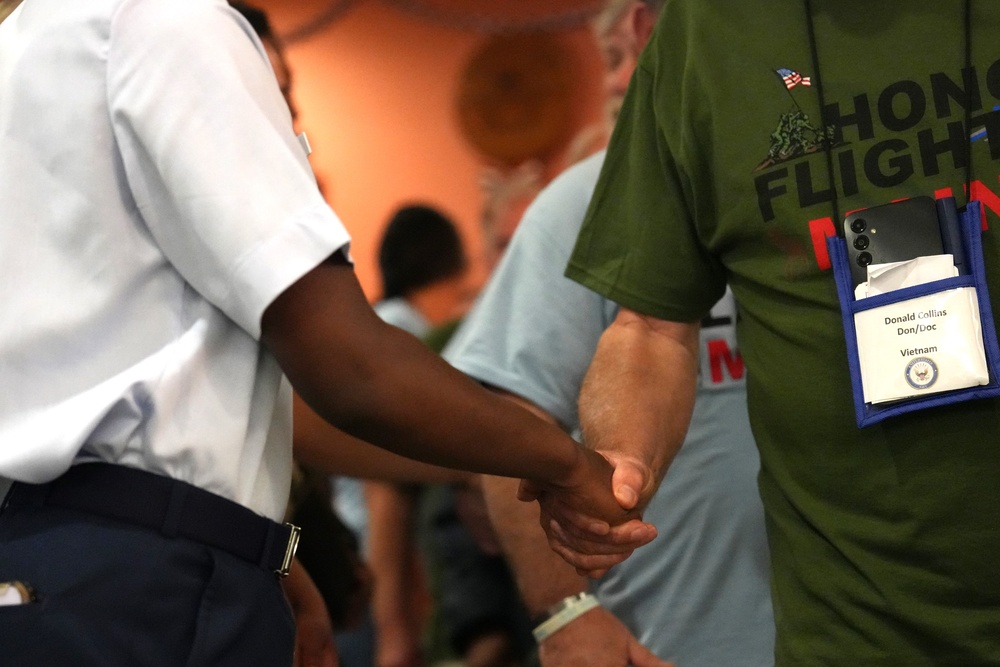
(110, 594)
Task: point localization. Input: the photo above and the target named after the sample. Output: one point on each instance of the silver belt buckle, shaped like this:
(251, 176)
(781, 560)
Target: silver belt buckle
(290, 548)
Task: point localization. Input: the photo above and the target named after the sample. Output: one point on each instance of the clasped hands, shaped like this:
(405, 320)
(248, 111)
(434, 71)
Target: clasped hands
(593, 518)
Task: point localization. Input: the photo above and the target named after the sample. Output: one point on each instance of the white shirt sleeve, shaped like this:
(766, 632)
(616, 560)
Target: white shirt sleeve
(210, 156)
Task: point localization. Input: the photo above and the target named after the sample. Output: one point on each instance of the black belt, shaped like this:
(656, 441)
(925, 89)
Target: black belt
(169, 506)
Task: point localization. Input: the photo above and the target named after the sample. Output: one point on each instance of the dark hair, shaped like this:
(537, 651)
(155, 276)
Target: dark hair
(256, 18)
(420, 246)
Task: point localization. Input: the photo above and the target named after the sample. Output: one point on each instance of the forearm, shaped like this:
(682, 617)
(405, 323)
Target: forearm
(638, 394)
(393, 561)
(382, 385)
(313, 629)
(543, 578)
(391, 535)
(329, 449)
(300, 590)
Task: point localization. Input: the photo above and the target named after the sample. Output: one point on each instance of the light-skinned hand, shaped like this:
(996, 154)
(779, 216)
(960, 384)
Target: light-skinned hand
(596, 638)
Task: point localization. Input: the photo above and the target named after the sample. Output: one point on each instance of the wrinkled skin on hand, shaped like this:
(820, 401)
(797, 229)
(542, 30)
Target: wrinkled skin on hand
(593, 519)
(596, 638)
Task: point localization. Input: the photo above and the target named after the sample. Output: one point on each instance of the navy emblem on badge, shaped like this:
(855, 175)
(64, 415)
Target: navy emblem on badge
(921, 372)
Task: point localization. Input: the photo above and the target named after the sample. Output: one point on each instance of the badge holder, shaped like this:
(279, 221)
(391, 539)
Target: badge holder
(902, 347)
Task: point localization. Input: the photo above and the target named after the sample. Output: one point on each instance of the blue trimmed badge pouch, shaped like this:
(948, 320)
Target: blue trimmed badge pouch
(927, 381)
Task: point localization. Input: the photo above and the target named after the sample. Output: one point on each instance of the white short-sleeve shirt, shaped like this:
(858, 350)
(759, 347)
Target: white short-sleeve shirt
(153, 201)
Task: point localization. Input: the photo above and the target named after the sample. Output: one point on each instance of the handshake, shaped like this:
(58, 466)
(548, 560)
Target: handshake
(593, 518)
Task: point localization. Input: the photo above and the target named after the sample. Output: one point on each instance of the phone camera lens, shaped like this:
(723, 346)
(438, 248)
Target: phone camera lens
(864, 258)
(858, 225)
(861, 242)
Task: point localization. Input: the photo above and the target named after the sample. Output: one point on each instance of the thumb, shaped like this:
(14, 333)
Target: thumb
(627, 483)
(640, 656)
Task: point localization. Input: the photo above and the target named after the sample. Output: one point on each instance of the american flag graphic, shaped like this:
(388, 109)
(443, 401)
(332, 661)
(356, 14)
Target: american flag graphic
(791, 78)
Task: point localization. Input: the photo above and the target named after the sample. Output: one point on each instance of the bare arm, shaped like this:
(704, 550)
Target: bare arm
(329, 449)
(399, 588)
(313, 630)
(635, 407)
(638, 395)
(543, 579)
(380, 384)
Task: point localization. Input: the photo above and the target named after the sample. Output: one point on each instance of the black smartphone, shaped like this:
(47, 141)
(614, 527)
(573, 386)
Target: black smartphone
(891, 233)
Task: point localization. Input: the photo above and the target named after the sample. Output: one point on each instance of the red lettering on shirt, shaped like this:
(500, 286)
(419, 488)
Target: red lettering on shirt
(987, 199)
(719, 355)
(819, 229)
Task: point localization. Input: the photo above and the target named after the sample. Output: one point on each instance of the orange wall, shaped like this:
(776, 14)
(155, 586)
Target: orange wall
(376, 95)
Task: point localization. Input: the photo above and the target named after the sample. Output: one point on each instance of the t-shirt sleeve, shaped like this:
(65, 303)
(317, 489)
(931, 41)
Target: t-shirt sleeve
(209, 155)
(638, 245)
(533, 332)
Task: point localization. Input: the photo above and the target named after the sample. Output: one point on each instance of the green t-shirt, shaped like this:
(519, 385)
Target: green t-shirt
(885, 540)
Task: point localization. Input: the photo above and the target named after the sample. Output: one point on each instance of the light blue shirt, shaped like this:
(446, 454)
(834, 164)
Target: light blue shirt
(699, 594)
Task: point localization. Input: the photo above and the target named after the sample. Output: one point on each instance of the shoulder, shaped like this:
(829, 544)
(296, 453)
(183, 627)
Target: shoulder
(559, 209)
(178, 24)
(171, 11)
(575, 183)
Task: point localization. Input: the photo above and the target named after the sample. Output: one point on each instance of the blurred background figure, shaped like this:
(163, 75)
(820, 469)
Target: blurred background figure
(425, 283)
(699, 594)
(473, 612)
(424, 269)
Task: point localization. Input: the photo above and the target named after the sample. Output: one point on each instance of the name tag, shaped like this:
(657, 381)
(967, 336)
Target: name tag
(920, 346)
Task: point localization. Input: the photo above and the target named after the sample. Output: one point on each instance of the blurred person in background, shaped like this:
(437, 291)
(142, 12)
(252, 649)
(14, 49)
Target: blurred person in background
(700, 593)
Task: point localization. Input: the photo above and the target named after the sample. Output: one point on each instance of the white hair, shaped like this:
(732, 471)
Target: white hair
(614, 11)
